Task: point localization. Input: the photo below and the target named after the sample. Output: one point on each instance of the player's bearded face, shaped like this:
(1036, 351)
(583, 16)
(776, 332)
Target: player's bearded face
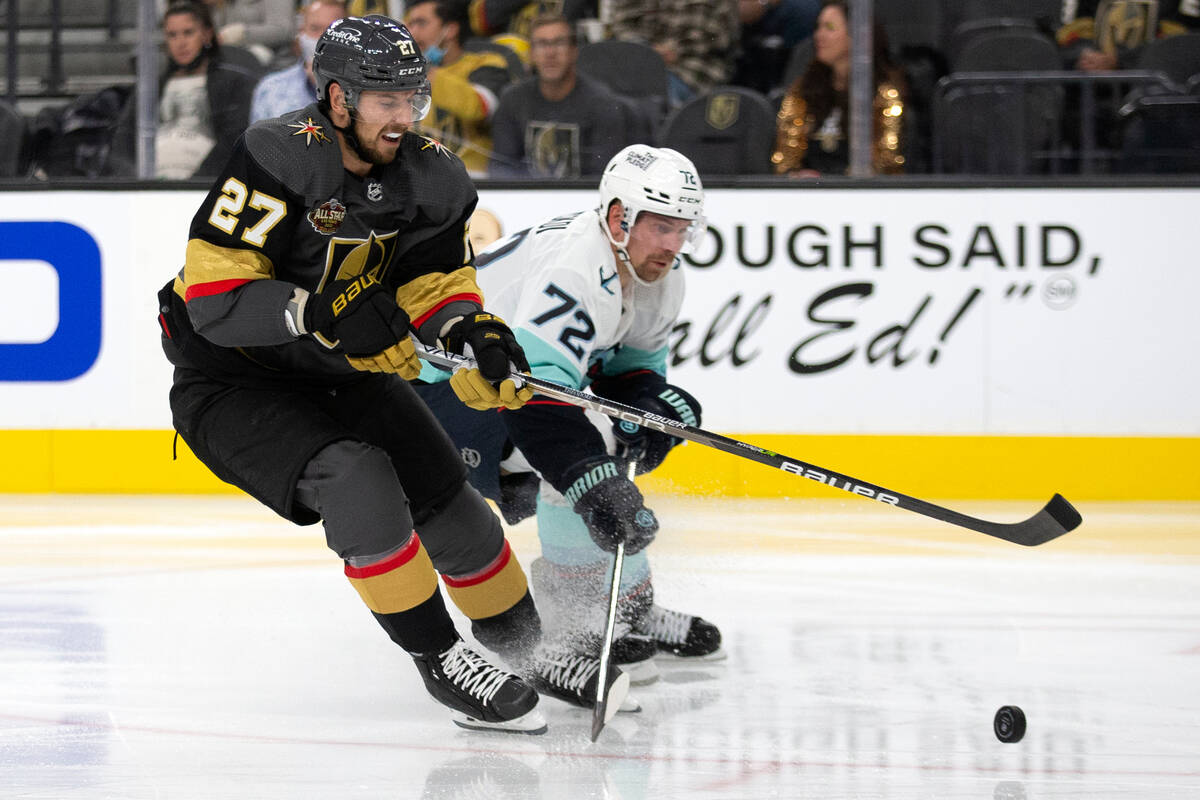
(654, 244)
(381, 118)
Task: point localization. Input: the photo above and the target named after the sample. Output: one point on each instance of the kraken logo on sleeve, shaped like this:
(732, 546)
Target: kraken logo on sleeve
(349, 258)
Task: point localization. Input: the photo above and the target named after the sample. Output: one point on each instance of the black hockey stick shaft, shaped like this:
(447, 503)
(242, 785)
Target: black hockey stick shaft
(1056, 518)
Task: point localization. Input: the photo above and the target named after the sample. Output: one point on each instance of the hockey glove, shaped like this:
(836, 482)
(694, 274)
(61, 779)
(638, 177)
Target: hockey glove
(610, 504)
(362, 317)
(494, 348)
(664, 400)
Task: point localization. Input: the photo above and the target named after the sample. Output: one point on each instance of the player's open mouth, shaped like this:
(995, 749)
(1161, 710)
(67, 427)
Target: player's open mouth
(392, 137)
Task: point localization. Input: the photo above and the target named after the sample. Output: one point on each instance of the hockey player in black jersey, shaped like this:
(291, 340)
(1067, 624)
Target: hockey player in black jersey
(332, 235)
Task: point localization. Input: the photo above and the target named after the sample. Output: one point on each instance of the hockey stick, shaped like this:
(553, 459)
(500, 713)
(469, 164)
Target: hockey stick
(599, 713)
(1056, 518)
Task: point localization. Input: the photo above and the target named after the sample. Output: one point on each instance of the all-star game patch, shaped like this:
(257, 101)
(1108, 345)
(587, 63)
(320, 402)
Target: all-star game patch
(327, 217)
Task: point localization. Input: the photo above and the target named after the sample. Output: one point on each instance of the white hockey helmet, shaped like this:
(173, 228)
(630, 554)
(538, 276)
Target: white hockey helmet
(657, 179)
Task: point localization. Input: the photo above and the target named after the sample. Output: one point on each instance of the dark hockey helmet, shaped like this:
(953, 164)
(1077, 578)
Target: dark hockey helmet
(373, 53)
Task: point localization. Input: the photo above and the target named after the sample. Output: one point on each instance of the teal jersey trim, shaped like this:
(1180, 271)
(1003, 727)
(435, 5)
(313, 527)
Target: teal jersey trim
(431, 374)
(628, 359)
(547, 362)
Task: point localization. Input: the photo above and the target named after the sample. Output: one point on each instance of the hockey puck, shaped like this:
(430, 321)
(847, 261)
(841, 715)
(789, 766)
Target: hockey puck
(1009, 724)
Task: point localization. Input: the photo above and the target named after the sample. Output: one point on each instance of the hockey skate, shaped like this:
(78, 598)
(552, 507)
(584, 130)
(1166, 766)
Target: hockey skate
(680, 635)
(481, 695)
(572, 602)
(571, 676)
(633, 652)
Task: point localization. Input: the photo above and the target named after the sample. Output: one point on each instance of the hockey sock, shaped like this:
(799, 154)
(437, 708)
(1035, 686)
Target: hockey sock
(513, 634)
(401, 590)
(491, 590)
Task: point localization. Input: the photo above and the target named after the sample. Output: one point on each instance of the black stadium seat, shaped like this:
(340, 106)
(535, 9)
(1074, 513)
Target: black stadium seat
(13, 132)
(727, 131)
(1177, 56)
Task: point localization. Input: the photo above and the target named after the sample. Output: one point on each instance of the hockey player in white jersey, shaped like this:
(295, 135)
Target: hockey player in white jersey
(592, 298)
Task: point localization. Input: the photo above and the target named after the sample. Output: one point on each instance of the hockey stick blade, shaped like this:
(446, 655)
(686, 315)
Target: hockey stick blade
(600, 713)
(1056, 518)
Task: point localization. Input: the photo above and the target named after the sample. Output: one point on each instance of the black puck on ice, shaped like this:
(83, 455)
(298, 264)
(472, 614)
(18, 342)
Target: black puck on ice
(1009, 724)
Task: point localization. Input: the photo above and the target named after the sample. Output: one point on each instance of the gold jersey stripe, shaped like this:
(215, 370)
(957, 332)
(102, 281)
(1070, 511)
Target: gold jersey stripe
(210, 263)
(422, 295)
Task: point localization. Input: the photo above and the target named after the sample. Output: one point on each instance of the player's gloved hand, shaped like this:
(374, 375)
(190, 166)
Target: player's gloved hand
(364, 319)
(611, 505)
(494, 348)
(664, 400)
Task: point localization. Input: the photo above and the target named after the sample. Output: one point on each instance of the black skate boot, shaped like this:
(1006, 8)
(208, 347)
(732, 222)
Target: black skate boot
(573, 602)
(681, 635)
(633, 652)
(483, 696)
(571, 676)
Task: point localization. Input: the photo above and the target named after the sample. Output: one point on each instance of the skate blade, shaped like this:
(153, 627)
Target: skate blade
(641, 673)
(618, 698)
(667, 657)
(531, 723)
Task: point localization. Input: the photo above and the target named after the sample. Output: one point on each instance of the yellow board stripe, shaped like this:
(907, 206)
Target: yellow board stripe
(970, 467)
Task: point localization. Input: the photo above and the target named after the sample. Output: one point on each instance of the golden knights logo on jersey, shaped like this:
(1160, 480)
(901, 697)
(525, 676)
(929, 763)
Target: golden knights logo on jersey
(553, 148)
(349, 258)
(1125, 24)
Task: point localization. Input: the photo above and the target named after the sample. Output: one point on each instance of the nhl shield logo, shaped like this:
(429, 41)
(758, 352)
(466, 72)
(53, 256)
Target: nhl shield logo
(374, 191)
(722, 110)
(327, 217)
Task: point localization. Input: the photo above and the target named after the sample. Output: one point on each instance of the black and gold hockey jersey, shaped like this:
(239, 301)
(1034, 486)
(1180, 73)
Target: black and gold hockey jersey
(1119, 26)
(286, 214)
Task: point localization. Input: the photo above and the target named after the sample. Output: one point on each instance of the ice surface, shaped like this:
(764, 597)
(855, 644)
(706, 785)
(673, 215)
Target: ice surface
(182, 647)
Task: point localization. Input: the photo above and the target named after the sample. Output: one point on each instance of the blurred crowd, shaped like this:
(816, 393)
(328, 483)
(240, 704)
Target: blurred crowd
(554, 88)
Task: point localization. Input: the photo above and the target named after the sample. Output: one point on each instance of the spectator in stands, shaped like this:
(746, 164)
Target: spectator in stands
(514, 18)
(466, 85)
(813, 119)
(557, 124)
(263, 27)
(204, 102)
(1099, 35)
(696, 38)
(361, 8)
(770, 29)
(294, 87)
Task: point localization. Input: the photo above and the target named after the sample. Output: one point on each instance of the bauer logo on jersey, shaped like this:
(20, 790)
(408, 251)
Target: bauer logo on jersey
(327, 217)
(311, 130)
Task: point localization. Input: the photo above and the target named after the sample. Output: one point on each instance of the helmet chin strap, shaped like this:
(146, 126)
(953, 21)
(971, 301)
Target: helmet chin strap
(351, 137)
(622, 250)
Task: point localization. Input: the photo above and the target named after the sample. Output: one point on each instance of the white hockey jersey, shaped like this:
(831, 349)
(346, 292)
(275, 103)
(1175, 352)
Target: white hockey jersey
(557, 287)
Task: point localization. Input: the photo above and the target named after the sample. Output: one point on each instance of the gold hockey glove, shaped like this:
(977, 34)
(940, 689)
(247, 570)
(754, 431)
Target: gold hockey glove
(494, 348)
